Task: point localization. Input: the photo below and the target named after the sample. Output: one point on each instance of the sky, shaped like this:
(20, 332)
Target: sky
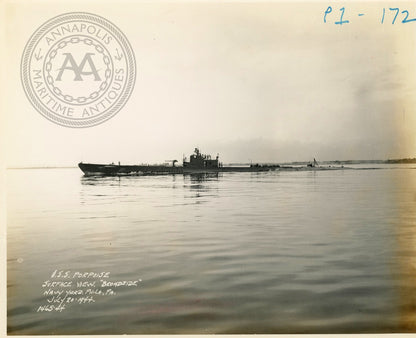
(261, 82)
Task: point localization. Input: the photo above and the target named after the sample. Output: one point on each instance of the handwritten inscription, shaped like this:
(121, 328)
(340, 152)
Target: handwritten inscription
(392, 15)
(66, 287)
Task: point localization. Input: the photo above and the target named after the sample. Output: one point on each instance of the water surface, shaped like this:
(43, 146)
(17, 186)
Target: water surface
(276, 252)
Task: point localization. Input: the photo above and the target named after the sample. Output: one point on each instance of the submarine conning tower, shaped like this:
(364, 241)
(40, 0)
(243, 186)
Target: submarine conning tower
(198, 160)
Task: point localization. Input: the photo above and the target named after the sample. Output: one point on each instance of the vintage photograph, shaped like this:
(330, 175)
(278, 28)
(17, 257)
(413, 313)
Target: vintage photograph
(208, 167)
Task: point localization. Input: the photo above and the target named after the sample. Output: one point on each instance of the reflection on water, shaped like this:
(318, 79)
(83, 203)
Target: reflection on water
(289, 252)
(103, 180)
(201, 184)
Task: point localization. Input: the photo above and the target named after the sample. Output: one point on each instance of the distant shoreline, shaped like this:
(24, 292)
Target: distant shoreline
(402, 160)
(46, 167)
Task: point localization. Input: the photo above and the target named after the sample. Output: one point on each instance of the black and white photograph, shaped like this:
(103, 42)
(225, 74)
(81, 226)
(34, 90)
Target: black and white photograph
(208, 167)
